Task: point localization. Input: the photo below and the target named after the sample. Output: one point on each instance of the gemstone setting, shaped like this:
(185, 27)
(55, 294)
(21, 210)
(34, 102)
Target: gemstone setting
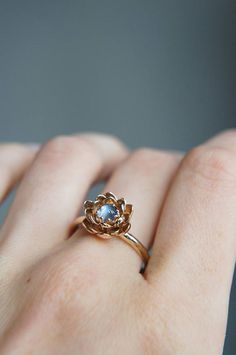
(107, 216)
(107, 212)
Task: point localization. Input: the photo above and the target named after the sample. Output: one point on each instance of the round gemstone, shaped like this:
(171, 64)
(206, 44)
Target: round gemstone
(107, 211)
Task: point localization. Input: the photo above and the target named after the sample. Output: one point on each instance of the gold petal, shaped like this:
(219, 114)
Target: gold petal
(110, 195)
(99, 220)
(122, 204)
(128, 209)
(125, 227)
(110, 200)
(88, 204)
(90, 228)
(88, 210)
(90, 216)
(112, 230)
(98, 204)
(121, 220)
(107, 224)
(126, 217)
(100, 198)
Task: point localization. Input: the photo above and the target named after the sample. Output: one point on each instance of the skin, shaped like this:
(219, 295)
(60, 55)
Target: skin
(83, 295)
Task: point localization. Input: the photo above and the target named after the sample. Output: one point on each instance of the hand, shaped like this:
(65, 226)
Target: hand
(85, 295)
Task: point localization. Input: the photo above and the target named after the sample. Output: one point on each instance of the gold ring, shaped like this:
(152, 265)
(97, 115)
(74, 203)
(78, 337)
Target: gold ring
(108, 217)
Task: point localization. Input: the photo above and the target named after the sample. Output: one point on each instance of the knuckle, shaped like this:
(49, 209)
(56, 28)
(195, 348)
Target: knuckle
(57, 148)
(148, 159)
(213, 166)
(115, 142)
(108, 139)
(231, 132)
(146, 154)
(61, 147)
(114, 139)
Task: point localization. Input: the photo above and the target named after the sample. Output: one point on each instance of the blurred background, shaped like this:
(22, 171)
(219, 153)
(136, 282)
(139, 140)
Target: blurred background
(155, 73)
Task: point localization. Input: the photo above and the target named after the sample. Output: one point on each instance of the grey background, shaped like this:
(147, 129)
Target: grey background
(155, 73)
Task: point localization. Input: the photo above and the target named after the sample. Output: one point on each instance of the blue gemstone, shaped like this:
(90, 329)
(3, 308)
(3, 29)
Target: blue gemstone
(107, 211)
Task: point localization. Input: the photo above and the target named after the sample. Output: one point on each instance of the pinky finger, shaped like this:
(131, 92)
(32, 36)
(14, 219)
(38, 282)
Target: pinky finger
(14, 160)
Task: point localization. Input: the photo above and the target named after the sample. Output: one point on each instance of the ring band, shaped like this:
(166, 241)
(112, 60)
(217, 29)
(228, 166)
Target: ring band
(109, 217)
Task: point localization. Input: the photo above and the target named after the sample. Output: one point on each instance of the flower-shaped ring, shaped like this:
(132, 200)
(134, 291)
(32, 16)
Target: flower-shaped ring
(108, 217)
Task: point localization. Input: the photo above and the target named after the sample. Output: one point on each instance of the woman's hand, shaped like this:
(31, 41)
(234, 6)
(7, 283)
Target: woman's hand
(85, 295)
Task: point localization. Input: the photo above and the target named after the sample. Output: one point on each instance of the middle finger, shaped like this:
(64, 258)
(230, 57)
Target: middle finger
(52, 191)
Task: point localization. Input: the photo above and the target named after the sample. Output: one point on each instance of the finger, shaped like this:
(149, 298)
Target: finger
(14, 160)
(223, 140)
(53, 190)
(195, 245)
(142, 180)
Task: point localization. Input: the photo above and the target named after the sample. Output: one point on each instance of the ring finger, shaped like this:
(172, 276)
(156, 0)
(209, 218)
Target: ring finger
(143, 180)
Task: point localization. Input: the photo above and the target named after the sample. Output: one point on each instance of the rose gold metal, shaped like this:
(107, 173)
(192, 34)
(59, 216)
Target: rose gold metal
(118, 228)
(136, 245)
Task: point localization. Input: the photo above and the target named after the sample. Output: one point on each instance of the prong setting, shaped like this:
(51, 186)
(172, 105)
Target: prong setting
(107, 216)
